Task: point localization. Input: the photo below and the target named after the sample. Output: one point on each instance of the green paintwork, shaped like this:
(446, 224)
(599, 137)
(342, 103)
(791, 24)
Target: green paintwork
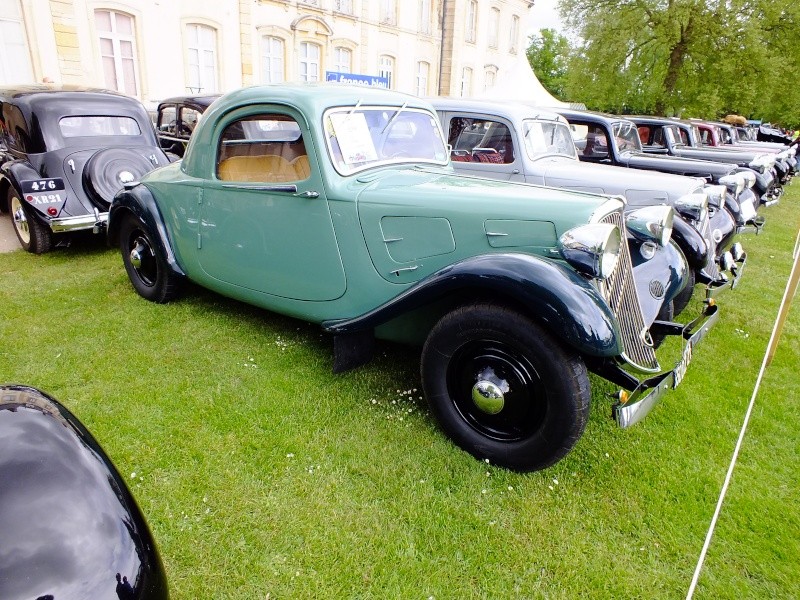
(364, 238)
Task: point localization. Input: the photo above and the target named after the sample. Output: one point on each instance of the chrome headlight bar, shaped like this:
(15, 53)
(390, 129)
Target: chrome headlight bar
(592, 249)
(651, 223)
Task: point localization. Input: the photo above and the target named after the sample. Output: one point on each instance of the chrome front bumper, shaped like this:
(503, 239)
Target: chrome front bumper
(634, 407)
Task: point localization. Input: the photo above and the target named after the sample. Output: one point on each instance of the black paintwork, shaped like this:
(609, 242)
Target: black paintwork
(70, 526)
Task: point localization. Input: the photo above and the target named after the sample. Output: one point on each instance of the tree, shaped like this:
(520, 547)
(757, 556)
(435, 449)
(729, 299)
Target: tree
(548, 54)
(689, 57)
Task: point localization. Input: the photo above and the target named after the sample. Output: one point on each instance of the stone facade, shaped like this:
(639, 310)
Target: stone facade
(157, 48)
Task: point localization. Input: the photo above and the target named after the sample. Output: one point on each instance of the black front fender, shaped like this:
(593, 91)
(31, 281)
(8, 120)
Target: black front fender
(557, 297)
(139, 202)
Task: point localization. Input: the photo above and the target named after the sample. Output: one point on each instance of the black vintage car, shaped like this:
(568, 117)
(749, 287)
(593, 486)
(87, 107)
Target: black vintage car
(64, 153)
(609, 139)
(71, 528)
(177, 118)
(681, 137)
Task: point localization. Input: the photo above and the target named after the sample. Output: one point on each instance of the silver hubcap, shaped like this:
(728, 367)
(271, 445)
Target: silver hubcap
(489, 391)
(136, 255)
(20, 222)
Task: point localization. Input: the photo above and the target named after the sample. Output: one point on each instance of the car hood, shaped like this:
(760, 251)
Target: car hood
(431, 190)
(678, 165)
(640, 188)
(415, 221)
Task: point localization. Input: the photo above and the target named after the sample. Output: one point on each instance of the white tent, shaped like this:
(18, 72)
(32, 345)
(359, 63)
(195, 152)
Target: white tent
(517, 81)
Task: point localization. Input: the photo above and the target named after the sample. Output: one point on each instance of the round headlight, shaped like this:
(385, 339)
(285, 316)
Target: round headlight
(749, 178)
(651, 223)
(692, 206)
(592, 249)
(716, 195)
(735, 183)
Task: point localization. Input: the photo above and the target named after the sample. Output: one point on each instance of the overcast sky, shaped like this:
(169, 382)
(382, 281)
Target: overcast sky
(544, 15)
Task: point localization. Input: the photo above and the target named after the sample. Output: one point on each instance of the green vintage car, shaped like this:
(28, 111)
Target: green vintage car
(338, 205)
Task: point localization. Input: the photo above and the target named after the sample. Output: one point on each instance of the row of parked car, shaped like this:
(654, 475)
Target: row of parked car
(521, 248)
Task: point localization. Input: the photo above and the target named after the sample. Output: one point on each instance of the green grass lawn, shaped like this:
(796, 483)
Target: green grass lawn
(262, 474)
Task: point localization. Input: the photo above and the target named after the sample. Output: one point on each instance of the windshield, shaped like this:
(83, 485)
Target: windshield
(91, 126)
(360, 137)
(545, 138)
(626, 137)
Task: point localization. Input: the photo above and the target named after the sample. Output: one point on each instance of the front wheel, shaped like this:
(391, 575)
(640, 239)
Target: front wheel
(145, 263)
(32, 235)
(503, 388)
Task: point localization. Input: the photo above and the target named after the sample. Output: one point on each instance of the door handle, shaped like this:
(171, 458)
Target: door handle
(307, 194)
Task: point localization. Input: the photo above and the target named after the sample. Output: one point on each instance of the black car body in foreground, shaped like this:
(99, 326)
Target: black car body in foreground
(64, 153)
(70, 527)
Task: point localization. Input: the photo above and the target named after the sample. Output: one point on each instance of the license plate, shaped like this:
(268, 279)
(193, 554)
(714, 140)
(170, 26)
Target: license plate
(44, 191)
(683, 364)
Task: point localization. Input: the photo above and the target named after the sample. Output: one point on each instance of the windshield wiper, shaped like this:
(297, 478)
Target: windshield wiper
(394, 116)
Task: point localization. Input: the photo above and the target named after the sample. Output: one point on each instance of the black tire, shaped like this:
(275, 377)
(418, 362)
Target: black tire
(680, 301)
(33, 236)
(108, 170)
(544, 388)
(145, 263)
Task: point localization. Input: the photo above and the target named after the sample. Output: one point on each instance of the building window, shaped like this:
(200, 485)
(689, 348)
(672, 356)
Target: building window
(425, 16)
(423, 74)
(201, 50)
(514, 35)
(272, 59)
(472, 21)
(466, 82)
(343, 6)
(489, 79)
(494, 27)
(388, 13)
(309, 62)
(117, 50)
(386, 68)
(342, 60)
(15, 60)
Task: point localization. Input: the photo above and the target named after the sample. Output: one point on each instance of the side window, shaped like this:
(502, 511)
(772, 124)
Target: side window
(596, 143)
(265, 148)
(480, 140)
(188, 120)
(167, 120)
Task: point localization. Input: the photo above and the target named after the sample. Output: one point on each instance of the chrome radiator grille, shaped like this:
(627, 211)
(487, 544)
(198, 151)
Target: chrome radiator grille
(704, 227)
(619, 291)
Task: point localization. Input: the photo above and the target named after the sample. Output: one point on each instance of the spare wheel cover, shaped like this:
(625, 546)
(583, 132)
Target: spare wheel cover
(108, 170)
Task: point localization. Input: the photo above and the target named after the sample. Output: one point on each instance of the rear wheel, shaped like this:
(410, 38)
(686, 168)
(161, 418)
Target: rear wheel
(145, 263)
(33, 236)
(504, 389)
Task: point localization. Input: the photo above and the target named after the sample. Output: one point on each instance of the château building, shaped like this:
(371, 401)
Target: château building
(152, 49)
